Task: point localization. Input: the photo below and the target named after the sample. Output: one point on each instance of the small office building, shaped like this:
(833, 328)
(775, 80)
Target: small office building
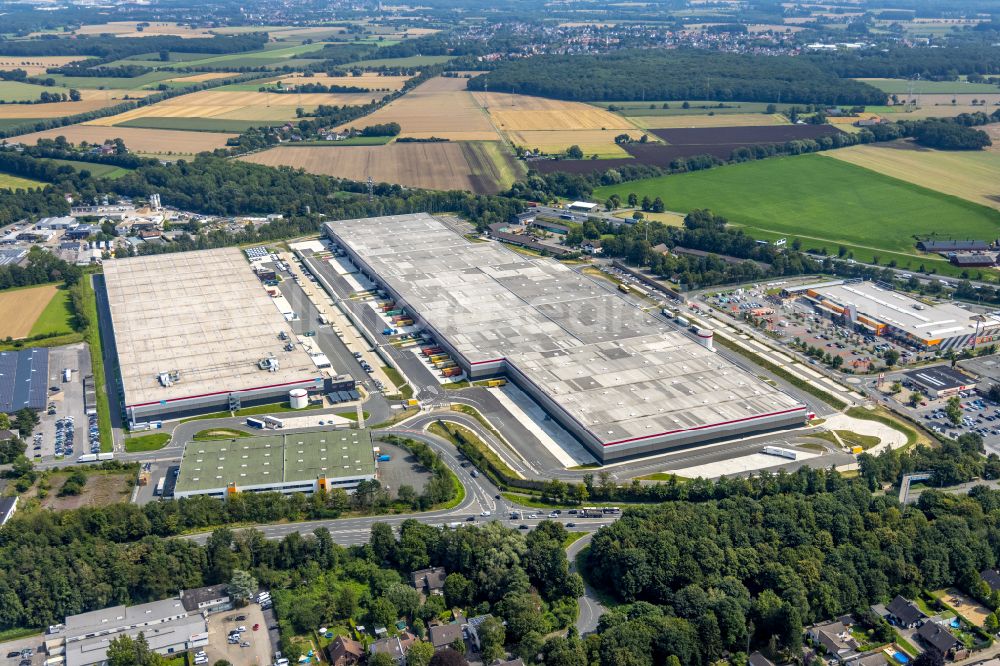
(941, 381)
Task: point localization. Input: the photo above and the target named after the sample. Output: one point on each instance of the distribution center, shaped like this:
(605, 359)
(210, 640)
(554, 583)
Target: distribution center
(196, 332)
(880, 310)
(304, 462)
(616, 377)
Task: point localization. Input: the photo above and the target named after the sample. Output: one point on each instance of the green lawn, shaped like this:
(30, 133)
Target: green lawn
(97, 170)
(902, 86)
(9, 182)
(56, 317)
(15, 91)
(151, 442)
(220, 433)
(824, 202)
(198, 124)
(255, 58)
(353, 141)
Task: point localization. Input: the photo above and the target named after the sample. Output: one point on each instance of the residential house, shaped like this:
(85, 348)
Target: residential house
(936, 635)
(835, 639)
(345, 652)
(429, 581)
(991, 577)
(473, 626)
(904, 613)
(396, 647)
(592, 246)
(443, 635)
(757, 659)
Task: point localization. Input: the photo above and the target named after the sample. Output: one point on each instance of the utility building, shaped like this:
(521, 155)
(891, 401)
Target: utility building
(617, 378)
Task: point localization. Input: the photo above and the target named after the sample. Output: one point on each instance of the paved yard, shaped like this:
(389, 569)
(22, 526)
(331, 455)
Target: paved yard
(219, 625)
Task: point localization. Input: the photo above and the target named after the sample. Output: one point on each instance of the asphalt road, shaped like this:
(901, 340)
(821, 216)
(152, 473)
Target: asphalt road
(591, 608)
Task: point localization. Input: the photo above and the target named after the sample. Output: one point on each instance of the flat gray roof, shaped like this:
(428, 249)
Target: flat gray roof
(616, 369)
(204, 314)
(939, 321)
(275, 459)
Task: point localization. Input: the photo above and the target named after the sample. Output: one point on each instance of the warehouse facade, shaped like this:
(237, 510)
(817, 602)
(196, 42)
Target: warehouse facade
(617, 378)
(304, 462)
(196, 332)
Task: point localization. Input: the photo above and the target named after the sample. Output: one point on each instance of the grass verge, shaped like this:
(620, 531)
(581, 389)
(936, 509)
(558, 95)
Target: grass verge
(573, 537)
(274, 408)
(151, 442)
(461, 437)
(17, 632)
(402, 415)
(93, 338)
(776, 370)
(220, 433)
(881, 415)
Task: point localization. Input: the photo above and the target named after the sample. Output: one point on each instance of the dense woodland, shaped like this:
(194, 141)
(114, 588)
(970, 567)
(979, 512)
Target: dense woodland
(116, 48)
(943, 62)
(676, 75)
(703, 573)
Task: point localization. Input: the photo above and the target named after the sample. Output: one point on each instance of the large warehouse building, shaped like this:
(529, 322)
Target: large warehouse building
(24, 379)
(304, 462)
(883, 311)
(616, 377)
(196, 332)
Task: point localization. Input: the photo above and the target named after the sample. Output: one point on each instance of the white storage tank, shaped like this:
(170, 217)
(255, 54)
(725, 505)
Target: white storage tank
(298, 398)
(705, 337)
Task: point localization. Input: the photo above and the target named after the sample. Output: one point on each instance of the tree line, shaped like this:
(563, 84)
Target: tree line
(676, 75)
(110, 47)
(701, 579)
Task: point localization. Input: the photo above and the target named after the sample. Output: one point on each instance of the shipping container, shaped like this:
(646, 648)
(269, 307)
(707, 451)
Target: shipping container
(87, 457)
(623, 288)
(393, 313)
(404, 322)
(384, 458)
(428, 351)
(451, 372)
(256, 423)
(105, 456)
(856, 450)
(445, 364)
(496, 382)
(158, 491)
(434, 358)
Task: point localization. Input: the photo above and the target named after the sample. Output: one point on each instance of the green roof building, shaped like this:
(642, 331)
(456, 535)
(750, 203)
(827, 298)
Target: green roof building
(304, 462)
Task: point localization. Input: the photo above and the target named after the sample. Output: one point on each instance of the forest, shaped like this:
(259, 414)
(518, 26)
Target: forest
(940, 63)
(116, 48)
(676, 75)
(704, 578)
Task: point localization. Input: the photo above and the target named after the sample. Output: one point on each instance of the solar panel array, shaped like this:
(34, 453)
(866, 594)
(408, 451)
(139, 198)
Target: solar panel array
(24, 379)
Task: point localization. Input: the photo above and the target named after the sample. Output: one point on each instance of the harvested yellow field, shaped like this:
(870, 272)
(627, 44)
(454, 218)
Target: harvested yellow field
(940, 106)
(151, 141)
(128, 29)
(91, 100)
(369, 80)
(234, 105)
(38, 64)
(439, 166)
(199, 78)
(19, 309)
(513, 113)
(718, 120)
(971, 175)
(756, 28)
(591, 142)
(441, 107)
(850, 120)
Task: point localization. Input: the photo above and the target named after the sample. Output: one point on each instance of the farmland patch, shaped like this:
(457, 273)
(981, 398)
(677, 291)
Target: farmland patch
(441, 107)
(369, 80)
(150, 141)
(971, 175)
(20, 309)
(820, 198)
(721, 120)
(439, 166)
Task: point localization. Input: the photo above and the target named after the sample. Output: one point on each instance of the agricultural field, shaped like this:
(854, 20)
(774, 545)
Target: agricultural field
(21, 308)
(97, 170)
(902, 86)
(824, 201)
(232, 105)
(196, 124)
(57, 316)
(16, 91)
(685, 142)
(273, 54)
(36, 65)
(128, 29)
(941, 106)
(11, 182)
(369, 80)
(481, 167)
(591, 142)
(970, 175)
(199, 78)
(147, 141)
(91, 100)
(412, 61)
(440, 107)
(720, 120)
(695, 108)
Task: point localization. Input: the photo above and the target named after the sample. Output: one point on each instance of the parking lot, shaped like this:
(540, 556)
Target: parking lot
(979, 416)
(253, 647)
(63, 427)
